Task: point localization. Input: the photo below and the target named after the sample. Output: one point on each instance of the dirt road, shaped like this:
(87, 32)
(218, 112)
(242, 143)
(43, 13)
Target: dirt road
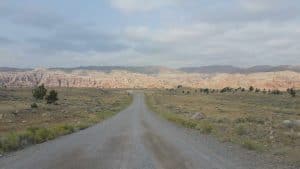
(135, 139)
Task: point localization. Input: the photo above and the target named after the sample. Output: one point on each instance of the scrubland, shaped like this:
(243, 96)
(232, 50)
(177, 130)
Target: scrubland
(259, 121)
(22, 124)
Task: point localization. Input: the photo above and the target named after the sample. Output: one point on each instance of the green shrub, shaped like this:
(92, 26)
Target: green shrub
(226, 89)
(240, 120)
(32, 135)
(189, 124)
(82, 126)
(52, 97)
(251, 88)
(222, 120)
(10, 142)
(63, 130)
(206, 91)
(32, 129)
(68, 129)
(264, 91)
(276, 92)
(39, 135)
(250, 119)
(43, 135)
(241, 130)
(251, 145)
(34, 105)
(205, 127)
(292, 92)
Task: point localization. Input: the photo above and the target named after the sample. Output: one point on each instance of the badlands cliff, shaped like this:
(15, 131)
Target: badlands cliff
(126, 79)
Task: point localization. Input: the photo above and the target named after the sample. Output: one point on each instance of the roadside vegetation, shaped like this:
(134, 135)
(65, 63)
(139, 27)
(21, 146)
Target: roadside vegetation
(32, 116)
(266, 121)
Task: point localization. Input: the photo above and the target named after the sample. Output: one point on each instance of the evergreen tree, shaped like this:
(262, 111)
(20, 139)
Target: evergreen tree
(251, 88)
(52, 97)
(39, 92)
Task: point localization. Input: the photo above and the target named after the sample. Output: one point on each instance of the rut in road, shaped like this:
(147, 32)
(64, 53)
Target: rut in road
(134, 139)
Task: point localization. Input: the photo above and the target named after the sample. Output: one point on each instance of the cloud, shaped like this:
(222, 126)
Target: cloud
(5, 41)
(234, 11)
(201, 44)
(275, 8)
(30, 16)
(142, 6)
(38, 19)
(242, 44)
(172, 33)
(260, 5)
(79, 40)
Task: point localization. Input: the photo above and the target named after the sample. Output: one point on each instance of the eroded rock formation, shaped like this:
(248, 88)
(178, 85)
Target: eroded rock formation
(126, 79)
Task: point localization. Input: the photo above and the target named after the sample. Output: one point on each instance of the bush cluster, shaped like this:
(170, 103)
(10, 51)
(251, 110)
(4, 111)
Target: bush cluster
(251, 88)
(34, 105)
(34, 135)
(241, 130)
(52, 97)
(292, 92)
(226, 89)
(39, 93)
(252, 145)
(204, 90)
(276, 92)
(250, 119)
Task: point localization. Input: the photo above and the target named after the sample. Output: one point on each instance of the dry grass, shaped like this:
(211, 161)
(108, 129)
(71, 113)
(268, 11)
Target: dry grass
(77, 109)
(253, 120)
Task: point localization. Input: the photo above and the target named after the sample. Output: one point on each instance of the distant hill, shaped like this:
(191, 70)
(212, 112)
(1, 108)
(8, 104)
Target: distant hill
(232, 69)
(108, 69)
(10, 69)
(212, 69)
(161, 69)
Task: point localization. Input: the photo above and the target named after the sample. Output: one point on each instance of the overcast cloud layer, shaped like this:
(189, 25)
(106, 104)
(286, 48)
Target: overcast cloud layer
(173, 33)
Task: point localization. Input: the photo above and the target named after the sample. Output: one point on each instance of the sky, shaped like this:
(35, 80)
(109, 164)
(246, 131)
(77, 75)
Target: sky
(174, 33)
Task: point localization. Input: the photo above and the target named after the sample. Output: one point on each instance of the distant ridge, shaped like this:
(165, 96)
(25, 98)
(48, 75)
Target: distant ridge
(108, 69)
(232, 69)
(213, 69)
(11, 69)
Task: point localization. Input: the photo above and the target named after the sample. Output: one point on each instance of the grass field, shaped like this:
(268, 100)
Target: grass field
(76, 109)
(255, 121)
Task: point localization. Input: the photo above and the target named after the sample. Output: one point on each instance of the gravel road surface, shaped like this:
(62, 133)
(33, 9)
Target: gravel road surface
(136, 138)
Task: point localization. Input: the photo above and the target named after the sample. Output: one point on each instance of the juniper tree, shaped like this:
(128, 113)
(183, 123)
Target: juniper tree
(39, 92)
(52, 97)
